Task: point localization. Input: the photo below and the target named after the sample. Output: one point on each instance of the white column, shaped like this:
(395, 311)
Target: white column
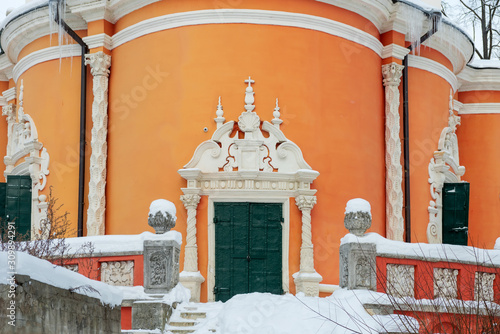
(190, 277)
(307, 279)
(99, 63)
(394, 171)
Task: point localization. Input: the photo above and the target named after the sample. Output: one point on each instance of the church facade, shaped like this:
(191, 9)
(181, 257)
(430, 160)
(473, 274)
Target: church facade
(259, 120)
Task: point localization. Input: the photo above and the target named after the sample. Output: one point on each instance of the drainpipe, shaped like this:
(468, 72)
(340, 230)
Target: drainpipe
(435, 18)
(83, 116)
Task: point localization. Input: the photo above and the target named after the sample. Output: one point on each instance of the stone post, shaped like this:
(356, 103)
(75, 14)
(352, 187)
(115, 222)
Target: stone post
(357, 258)
(161, 265)
(307, 280)
(394, 171)
(99, 63)
(190, 276)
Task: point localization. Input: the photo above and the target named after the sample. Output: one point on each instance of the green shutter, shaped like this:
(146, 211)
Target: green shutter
(18, 204)
(247, 248)
(455, 213)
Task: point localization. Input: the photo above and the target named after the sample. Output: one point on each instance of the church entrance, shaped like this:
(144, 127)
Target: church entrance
(248, 248)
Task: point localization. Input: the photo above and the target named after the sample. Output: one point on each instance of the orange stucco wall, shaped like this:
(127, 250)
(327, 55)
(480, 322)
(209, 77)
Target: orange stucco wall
(428, 115)
(4, 85)
(479, 141)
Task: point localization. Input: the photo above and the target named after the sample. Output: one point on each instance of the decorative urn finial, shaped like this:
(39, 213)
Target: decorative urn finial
(358, 217)
(162, 216)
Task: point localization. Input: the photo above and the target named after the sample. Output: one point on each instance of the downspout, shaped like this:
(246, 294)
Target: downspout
(83, 115)
(435, 18)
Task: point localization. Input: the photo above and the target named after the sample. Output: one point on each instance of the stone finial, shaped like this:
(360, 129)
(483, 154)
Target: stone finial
(162, 216)
(276, 120)
(358, 217)
(220, 115)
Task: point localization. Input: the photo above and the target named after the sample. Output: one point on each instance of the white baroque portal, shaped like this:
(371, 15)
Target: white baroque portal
(263, 166)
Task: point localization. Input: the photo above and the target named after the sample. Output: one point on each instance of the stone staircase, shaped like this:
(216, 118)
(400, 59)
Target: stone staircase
(192, 317)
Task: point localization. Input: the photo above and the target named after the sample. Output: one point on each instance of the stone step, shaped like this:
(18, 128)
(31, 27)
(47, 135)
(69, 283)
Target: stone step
(193, 315)
(181, 331)
(140, 331)
(182, 323)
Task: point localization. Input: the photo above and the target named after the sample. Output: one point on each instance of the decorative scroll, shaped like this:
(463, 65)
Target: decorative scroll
(444, 167)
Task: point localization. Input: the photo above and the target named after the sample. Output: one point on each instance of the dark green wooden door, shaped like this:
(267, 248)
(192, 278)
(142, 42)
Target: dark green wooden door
(248, 248)
(18, 204)
(455, 213)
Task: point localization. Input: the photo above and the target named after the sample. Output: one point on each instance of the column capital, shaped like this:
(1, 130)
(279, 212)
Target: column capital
(305, 202)
(392, 74)
(190, 200)
(99, 63)
(9, 111)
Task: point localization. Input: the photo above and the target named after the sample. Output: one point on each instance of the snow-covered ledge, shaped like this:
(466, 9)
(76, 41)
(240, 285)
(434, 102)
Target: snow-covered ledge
(263, 166)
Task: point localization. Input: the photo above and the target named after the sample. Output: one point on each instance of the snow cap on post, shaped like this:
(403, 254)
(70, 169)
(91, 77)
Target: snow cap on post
(162, 215)
(358, 217)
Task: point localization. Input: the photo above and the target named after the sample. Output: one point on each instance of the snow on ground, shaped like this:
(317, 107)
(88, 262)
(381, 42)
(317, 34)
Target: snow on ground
(120, 243)
(342, 312)
(428, 252)
(163, 206)
(46, 272)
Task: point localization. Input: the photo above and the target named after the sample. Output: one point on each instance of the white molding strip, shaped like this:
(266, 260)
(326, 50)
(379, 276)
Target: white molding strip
(394, 50)
(99, 40)
(479, 108)
(248, 16)
(472, 79)
(435, 68)
(44, 55)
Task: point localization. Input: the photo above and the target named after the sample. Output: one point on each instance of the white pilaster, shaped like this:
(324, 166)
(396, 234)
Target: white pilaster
(99, 63)
(394, 171)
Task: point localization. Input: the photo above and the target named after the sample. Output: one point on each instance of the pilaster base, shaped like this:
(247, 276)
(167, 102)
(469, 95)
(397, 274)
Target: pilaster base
(192, 281)
(307, 283)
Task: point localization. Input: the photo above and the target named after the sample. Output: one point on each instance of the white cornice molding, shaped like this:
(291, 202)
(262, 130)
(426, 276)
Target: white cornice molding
(394, 50)
(479, 108)
(472, 79)
(457, 105)
(120, 8)
(90, 10)
(44, 55)
(9, 94)
(376, 11)
(6, 67)
(435, 68)
(31, 26)
(99, 40)
(248, 16)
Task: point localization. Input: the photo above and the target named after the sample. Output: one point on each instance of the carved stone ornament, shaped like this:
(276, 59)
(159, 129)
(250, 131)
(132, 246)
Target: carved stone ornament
(444, 167)
(119, 273)
(22, 142)
(358, 222)
(99, 63)
(394, 171)
(483, 286)
(401, 280)
(161, 222)
(445, 283)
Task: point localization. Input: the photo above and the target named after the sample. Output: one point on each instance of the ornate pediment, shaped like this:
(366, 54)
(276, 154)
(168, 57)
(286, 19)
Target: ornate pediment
(249, 145)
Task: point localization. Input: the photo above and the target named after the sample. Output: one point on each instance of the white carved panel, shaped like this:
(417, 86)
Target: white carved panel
(72, 267)
(445, 283)
(483, 286)
(119, 273)
(401, 280)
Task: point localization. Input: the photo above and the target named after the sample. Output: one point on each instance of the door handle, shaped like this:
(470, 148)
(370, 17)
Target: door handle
(460, 229)
(249, 258)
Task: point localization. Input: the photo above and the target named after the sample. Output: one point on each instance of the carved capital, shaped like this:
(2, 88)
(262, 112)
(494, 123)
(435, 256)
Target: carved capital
(304, 202)
(190, 200)
(99, 63)
(392, 74)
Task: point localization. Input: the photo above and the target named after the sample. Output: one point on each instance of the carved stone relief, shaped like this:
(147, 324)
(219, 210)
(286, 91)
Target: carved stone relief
(483, 286)
(120, 273)
(401, 280)
(158, 267)
(445, 283)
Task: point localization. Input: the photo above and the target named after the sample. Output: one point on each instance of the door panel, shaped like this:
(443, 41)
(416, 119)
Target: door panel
(18, 204)
(456, 213)
(248, 248)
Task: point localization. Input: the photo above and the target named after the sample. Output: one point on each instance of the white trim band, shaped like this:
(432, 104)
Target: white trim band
(479, 108)
(97, 41)
(44, 55)
(248, 16)
(435, 68)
